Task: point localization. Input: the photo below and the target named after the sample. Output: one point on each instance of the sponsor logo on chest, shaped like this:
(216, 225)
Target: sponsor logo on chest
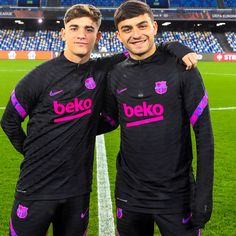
(148, 112)
(80, 107)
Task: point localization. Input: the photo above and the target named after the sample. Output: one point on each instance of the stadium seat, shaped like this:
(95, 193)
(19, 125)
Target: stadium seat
(8, 2)
(193, 3)
(106, 3)
(49, 40)
(229, 3)
(231, 38)
(115, 3)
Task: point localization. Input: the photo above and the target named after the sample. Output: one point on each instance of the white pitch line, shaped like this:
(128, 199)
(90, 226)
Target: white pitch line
(222, 108)
(105, 215)
(2, 108)
(209, 73)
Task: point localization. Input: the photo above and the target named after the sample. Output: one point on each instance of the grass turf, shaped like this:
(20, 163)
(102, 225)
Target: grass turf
(220, 81)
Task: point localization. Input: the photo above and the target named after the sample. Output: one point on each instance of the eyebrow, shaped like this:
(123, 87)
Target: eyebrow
(86, 26)
(73, 26)
(89, 27)
(130, 26)
(142, 22)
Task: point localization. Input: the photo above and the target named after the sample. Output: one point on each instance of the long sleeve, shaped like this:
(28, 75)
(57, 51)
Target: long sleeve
(11, 125)
(21, 101)
(196, 104)
(175, 48)
(109, 116)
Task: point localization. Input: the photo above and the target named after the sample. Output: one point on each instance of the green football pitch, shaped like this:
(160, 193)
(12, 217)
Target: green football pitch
(220, 81)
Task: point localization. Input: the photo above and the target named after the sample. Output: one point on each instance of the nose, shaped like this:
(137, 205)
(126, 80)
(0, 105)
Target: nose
(136, 33)
(80, 34)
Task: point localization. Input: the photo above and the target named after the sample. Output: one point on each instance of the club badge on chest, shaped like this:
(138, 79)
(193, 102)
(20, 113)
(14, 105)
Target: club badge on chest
(90, 83)
(161, 87)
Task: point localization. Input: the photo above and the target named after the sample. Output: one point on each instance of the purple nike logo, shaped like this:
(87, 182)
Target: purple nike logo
(186, 220)
(83, 214)
(54, 93)
(119, 91)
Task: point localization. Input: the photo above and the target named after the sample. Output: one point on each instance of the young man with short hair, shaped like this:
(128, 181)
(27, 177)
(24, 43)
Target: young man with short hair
(155, 100)
(63, 99)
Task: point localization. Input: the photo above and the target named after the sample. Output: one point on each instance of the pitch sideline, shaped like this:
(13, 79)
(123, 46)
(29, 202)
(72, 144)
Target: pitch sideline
(105, 215)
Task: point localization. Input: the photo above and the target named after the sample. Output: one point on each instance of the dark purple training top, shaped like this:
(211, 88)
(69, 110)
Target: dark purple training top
(156, 101)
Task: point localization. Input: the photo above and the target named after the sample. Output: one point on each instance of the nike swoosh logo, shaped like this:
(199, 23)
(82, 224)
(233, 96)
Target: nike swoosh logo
(123, 200)
(119, 91)
(54, 93)
(186, 220)
(83, 214)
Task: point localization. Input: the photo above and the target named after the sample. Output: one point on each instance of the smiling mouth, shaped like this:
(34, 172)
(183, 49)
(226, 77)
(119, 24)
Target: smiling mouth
(81, 44)
(138, 42)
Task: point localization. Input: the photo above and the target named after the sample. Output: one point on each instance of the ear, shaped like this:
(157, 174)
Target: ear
(63, 34)
(99, 36)
(118, 35)
(155, 27)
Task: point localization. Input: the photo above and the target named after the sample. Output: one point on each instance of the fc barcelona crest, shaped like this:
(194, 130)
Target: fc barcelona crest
(22, 211)
(90, 83)
(119, 213)
(161, 87)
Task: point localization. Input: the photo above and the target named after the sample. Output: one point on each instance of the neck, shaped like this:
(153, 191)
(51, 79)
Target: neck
(145, 55)
(76, 58)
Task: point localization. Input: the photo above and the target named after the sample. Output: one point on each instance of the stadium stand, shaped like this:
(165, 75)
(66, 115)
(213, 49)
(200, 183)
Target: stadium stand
(115, 3)
(205, 40)
(229, 3)
(49, 40)
(194, 3)
(108, 3)
(231, 38)
(8, 2)
(43, 3)
(42, 40)
(173, 3)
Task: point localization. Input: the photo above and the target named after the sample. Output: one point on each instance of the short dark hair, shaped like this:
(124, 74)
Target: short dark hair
(130, 9)
(83, 10)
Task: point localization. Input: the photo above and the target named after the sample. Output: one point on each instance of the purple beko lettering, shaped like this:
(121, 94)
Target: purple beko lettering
(71, 107)
(153, 111)
(81, 106)
(143, 110)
